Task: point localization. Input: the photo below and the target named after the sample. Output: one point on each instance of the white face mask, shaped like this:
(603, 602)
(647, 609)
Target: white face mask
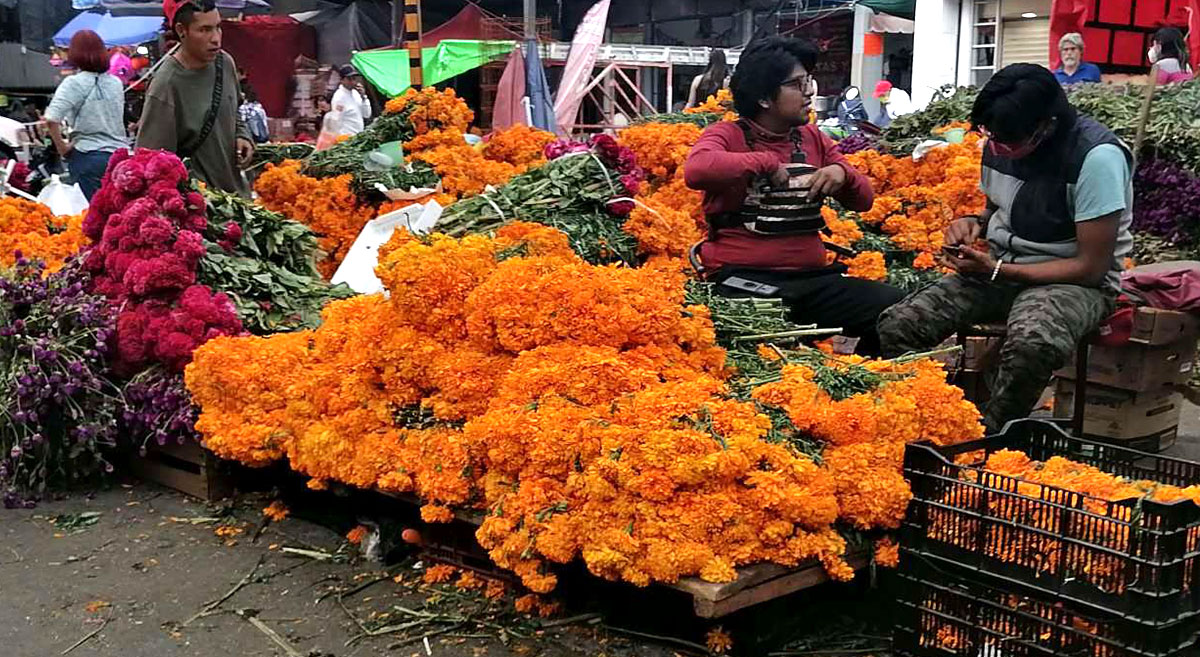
(1152, 54)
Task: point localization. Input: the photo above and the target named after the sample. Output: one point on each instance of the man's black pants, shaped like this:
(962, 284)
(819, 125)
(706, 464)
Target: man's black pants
(823, 297)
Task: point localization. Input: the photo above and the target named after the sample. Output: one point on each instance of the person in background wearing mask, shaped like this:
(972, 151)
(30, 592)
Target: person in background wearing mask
(1169, 53)
(351, 103)
(1059, 204)
(192, 105)
(92, 103)
(714, 78)
(1074, 70)
(772, 91)
(893, 102)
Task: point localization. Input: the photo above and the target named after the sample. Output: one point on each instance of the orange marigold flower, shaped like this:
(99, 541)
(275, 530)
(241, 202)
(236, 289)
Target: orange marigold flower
(430, 108)
(887, 552)
(439, 573)
(924, 260)
(436, 513)
(357, 534)
(276, 511)
(519, 145)
(868, 265)
(661, 148)
(35, 232)
(718, 641)
(468, 580)
(526, 604)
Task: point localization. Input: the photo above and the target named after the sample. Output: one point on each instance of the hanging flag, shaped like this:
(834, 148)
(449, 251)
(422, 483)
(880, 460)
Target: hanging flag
(580, 62)
(542, 110)
(509, 109)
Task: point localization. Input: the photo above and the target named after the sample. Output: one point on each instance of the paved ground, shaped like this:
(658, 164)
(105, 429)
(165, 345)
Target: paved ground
(150, 561)
(129, 570)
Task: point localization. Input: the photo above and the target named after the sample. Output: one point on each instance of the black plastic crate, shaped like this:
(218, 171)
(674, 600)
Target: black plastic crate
(940, 614)
(1137, 558)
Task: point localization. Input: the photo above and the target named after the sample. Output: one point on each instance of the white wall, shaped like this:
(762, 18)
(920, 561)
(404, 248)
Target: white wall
(935, 42)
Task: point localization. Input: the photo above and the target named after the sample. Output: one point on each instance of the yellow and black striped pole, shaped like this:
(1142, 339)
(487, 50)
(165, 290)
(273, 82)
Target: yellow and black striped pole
(412, 41)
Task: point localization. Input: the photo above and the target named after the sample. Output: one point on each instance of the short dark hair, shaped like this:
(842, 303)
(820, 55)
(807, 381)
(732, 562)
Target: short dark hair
(763, 67)
(87, 52)
(1170, 41)
(1017, 99)
(187, 13)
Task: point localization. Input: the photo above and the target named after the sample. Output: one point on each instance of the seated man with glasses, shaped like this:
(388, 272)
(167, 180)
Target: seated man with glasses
(772, 247)
(1059, 204)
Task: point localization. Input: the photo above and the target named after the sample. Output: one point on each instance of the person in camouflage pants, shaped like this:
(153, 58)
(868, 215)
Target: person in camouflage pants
(1059, 190)
(1045, 323)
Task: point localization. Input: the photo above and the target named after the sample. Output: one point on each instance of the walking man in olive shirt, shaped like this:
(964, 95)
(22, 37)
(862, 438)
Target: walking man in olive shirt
(192, 105)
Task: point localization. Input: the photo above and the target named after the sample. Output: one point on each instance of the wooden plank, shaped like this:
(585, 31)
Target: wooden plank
(794, 580)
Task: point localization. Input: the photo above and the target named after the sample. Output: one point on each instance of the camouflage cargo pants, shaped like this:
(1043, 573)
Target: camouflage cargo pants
(1045, 323)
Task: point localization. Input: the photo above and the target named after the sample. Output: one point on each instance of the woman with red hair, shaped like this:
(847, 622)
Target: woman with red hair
(92, 104)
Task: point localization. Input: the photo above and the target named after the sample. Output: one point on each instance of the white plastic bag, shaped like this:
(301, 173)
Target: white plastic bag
(358, 267)
(63, 199)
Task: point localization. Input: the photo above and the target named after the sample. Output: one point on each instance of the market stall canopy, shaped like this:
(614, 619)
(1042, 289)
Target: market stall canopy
(114, 30)
(902, 8)
(888, 24)
(388, 69)
(466, 25)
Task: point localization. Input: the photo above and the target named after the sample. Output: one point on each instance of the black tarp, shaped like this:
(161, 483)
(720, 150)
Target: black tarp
(359, 25)
(40, 20)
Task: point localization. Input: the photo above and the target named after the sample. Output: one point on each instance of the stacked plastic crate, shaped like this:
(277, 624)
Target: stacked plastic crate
(992, 565)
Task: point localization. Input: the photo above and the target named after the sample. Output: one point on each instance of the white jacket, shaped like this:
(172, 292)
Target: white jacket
(352, 109)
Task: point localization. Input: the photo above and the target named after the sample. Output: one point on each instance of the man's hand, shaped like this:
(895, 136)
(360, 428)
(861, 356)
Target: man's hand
(963, 232)
(971, 262)
(827, 181)
(780, 177)
(64, 149)
(245, 151)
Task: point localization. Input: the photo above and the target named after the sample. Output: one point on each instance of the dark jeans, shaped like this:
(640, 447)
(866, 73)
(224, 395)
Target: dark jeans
(87, 168)
(824, 298)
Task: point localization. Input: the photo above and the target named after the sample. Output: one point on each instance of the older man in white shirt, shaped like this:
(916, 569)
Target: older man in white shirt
(350, 102)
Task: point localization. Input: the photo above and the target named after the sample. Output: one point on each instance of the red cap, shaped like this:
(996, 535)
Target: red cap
(172, 7)
(882, 88)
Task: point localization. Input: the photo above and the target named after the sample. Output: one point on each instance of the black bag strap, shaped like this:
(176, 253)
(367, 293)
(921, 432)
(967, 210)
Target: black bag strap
(796, 135)
(210, 119)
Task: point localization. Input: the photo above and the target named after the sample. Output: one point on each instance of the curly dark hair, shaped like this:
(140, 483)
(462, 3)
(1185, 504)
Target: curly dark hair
(763, 67)
(1017, 99)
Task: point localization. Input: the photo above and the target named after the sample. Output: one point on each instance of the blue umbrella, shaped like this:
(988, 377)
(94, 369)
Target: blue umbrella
(538, 90)
(114, 30)
(85, 21)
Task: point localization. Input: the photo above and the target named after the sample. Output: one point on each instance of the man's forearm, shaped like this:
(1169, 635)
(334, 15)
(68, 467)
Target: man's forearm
(1069, 271)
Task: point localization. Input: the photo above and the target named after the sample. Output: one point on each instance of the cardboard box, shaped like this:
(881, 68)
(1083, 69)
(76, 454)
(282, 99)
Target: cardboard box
(281, 129)
(1138, 367)
(980, 352)
(1123, 415)
(1155, 326)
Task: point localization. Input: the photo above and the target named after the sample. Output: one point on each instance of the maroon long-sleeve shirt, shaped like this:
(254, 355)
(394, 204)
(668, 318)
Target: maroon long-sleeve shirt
(722, 166)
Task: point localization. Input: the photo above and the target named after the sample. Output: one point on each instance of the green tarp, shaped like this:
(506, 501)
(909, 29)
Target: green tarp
(388, 69)
(901, 8)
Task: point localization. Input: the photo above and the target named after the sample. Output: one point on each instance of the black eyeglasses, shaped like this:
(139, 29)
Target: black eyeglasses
(802, 83)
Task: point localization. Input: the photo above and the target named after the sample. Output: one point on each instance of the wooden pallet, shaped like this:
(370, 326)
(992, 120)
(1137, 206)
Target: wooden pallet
(758, 583)
(755, 584)
(187, 468)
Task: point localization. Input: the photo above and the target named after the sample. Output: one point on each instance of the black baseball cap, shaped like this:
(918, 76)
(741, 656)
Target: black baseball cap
(349, 71)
